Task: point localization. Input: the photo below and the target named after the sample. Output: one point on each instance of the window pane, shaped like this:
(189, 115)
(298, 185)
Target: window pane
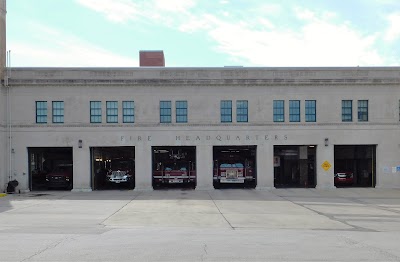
(311, 111)
(181, 111)
(279, 110)
(41, 112)
(112, 111)
(95, 112)
(128, 112)
(58, 111)
(242, 111)
(347, 110)
(165, 111)
(294, 110)
(226, 110)
(362, 110)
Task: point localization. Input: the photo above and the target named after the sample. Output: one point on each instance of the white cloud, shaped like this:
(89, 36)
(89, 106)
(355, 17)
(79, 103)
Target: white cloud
(318, 39)
(54, 48)
(393, 32)
(114, 10)
(174, 5)
(316, 43)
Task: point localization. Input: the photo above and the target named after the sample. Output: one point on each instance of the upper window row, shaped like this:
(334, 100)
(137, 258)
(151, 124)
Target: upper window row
(347, 110)
(294, 110)
(57, 112)
(128, 111)
(241, 111)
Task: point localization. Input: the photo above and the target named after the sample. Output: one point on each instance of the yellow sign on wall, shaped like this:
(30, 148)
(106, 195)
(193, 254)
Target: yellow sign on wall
(326, 165)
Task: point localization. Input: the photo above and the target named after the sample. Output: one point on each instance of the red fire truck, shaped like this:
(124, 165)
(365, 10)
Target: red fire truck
(180, 172)
(233, 173)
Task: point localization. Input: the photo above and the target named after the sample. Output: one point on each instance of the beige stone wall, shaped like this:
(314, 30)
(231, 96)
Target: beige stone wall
(2, 36)
(203, 90)
(3, 138)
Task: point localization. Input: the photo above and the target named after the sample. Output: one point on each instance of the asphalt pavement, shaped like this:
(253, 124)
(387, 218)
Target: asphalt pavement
(344, 224)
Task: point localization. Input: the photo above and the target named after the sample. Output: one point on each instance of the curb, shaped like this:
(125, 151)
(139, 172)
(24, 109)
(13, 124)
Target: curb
(3, 194)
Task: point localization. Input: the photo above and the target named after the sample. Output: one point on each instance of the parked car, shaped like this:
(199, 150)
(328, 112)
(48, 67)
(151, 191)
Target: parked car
(121, 170)
(60, 177)
(344, 178)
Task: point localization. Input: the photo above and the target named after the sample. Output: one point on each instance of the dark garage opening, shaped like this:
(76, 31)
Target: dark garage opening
(355, 166)
(294, 166)
(234, 166)
(50, 168)
(174, 167)
(113, 167)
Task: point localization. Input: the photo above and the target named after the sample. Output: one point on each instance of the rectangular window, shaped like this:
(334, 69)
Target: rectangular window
(362, 110)
(165, 111)
(226, 111)
(347, 110)
(181, 111)
(311, 111)
(279, 111)
(242, 110)
(128, 111)
(112, 111)
(95, 111)
(41, 112)
(294, 110)
(58, 111)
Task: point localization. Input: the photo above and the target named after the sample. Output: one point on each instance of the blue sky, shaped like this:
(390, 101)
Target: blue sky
(198, 33)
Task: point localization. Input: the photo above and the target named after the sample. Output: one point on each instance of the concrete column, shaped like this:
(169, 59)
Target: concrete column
(325, 179)
(265, 167)
(2, 37)
(143, 170)
(204, 166)
(20, 167)
(81, 169)
(3, 157)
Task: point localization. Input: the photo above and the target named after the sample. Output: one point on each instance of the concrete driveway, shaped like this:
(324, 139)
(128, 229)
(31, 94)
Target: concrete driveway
(347, 224)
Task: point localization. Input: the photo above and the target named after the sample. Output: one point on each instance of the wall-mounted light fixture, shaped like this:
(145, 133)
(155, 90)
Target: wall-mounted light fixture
(80, 143)
(326, 141)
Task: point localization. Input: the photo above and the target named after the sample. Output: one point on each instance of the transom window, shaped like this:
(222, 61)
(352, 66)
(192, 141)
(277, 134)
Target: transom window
(58, 111)
(181, 111)
(242, 111)
(165, 111)
(226, 111)
(362, 110)
(128, 111)
(311, 111)
(112, 111)
(95, 111)
(294, 110)
(347, 110)
(41, 112)
(279, 111)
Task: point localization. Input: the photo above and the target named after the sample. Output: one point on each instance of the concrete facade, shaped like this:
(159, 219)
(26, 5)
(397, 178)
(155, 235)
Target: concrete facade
(2, 36)
(203, 89)
(3, 102)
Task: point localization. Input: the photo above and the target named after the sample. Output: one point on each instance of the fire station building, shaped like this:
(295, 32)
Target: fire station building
(150, 127)
(292, 127)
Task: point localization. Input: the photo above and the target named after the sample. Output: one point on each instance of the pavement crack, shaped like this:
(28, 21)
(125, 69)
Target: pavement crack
(215, 204)
(204, 253)
(49, 247)
(329, 216)
(102, 222)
